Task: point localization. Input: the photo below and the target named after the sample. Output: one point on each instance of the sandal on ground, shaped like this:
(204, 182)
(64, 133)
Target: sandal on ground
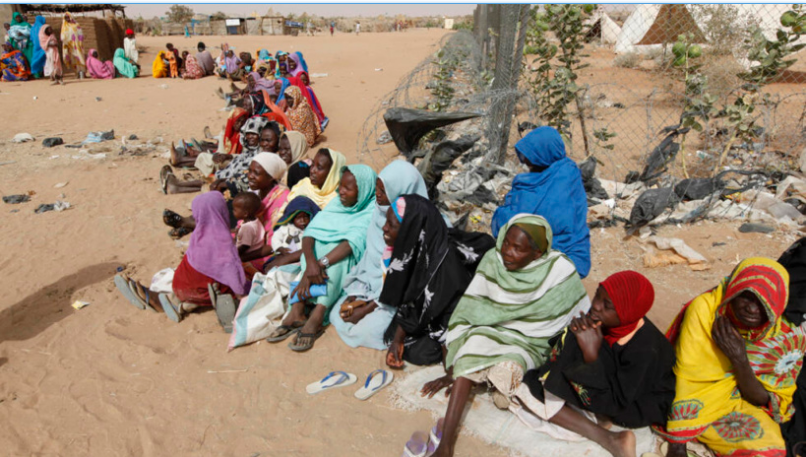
(173, 312)
(312, 337)
(179, 232)
(164, 172)
(282, 332)
(225, 309)
(333, 380)
(435, 437)
(123, 286)
(374, 383)
(172, 219)
(207, 133)
(417, 446)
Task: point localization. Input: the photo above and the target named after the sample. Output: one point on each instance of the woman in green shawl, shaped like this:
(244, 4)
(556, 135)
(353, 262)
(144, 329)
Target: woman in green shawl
(21, 39)
(332, 245)
(524, 293)
(123, 65)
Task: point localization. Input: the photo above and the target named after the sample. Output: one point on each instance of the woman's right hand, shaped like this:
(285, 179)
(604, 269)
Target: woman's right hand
(394, 357)
(315, 273)
(431, 388)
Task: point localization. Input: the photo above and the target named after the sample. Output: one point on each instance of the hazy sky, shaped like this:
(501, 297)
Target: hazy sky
(372, 9)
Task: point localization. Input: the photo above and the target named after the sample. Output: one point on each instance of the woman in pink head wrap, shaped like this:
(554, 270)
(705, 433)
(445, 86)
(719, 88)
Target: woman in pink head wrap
(97, 69)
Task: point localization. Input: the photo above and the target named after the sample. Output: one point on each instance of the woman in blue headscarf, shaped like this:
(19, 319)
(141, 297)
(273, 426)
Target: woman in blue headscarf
(302, 61)
(38, 58)
(358, 317)
(552, 189)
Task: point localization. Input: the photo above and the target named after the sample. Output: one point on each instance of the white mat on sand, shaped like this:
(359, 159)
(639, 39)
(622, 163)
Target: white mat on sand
(500, 428)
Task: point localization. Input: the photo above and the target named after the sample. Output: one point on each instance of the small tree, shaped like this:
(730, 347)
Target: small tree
(180, 14)
(219, 16)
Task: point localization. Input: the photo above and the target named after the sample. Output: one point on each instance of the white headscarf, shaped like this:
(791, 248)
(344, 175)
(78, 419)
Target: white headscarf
(272, 163)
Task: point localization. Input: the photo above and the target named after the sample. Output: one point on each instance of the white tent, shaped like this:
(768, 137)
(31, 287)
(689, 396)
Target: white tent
(603, 27)
(649, 26)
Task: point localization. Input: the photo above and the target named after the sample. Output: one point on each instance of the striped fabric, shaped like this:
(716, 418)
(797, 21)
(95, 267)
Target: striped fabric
(512, 315)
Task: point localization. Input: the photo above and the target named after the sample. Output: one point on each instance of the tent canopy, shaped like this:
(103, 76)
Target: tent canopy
(655, 25)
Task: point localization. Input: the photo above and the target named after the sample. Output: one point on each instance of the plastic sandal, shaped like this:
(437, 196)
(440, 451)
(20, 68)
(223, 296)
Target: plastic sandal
(374, 384)
(336, 379)
(123, 286)
(300, 348)
(416, 446)
(172, 312)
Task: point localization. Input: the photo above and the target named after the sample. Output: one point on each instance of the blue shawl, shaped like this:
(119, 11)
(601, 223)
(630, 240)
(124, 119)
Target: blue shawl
(38, 60)
(286, 84)
(556, 194)
(302, 61)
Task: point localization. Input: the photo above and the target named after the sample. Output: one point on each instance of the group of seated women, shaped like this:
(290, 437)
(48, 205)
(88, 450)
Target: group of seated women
(33, 52)
(371, 255)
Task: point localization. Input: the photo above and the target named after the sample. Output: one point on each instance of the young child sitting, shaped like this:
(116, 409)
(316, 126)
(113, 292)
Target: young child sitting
(251, 234)
(288, 232)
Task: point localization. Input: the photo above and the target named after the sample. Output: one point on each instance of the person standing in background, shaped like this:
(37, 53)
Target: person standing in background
(357, 28)
(332, 27)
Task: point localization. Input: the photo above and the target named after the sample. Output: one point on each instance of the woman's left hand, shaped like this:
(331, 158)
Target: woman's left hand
(315, 273)
(728, 340)
(589, 336)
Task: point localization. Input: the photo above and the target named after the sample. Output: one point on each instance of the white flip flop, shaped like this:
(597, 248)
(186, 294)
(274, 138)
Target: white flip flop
(333, 380)
(374, 383)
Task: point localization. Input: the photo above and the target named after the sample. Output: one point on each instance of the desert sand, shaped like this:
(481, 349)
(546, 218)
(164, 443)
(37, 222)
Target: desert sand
(115, 381)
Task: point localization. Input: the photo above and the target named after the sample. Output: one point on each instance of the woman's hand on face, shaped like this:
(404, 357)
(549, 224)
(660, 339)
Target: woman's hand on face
(728, 340)
(588, 334)
(431, 388)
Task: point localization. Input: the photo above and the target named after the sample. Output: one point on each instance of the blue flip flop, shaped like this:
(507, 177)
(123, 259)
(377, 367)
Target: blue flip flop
(125, 288)
(169, 309)
(333, 380)
(374, 384)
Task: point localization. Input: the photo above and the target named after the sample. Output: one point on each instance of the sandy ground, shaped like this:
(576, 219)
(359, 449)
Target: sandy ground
(111, 380)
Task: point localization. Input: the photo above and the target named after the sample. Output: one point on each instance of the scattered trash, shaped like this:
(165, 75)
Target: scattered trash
(717, 244)
(78, 304)
(16, 199)
(94, 137)
(663, 259)
(98, 99)
(163, 86)
(14, 211)
(651, 204)
(407, 126)
(22, 138)
(119, 269)
(53, 141)
(133, 137)
(35, 97)
(318, 75)
(755, 228)
(83, 155)
(379, 69)
(61, 184)
(8, 162)
(679, 246)
(56, 156)
(58, 206)
(384, 137)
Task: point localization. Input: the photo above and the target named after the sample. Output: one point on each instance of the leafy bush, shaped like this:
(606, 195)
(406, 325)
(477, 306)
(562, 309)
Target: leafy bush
(627, 60)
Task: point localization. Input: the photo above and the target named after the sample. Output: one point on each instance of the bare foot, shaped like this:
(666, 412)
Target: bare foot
(622, 444)
(604, 422)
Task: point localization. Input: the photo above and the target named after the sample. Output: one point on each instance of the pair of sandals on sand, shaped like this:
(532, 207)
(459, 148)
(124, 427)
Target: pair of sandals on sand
(284, 332)
(174, 220)
(422, 445)
(141, 297)
(376, 381)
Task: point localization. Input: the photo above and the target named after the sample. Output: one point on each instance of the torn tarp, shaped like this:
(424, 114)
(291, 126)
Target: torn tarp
(440, 159)
(407, 126)
(593, 187)
(651, 204)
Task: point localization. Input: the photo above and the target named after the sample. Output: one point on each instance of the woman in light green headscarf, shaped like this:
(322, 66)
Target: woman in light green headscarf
(21, 38)
(123, 65)
(524, 293)
(332, 245)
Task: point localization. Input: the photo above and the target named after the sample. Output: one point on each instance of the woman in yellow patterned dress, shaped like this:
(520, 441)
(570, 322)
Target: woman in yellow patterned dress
(737, 361)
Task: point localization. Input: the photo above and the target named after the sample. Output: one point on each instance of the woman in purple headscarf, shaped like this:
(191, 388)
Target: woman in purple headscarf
(211, 259)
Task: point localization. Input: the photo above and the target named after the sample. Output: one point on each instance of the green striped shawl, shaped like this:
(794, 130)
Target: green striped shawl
(511, 315)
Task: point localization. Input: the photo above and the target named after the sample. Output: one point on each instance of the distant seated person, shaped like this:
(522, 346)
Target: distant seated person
(123, 65)
(536, 192)
(160, 68)
(191, 69)
(13, 65)
(289, 230)
(205, 59)
(173, 64)
(737, 365)
(98, 69)
(612, 365)
(175, 52)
